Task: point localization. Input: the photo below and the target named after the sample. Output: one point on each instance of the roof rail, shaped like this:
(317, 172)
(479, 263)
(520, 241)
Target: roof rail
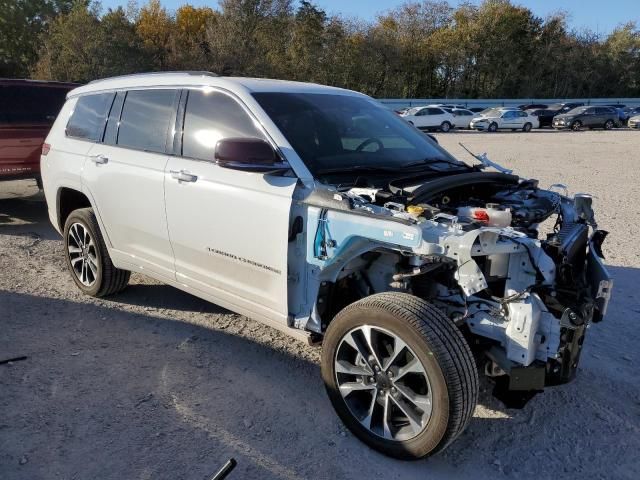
(195, 73)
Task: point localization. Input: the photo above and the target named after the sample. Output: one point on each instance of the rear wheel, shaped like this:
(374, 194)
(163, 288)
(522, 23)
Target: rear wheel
(608, 125)
(527, 127)
(87, 257)
(493, 127)
(399, 374)
(445, 126)
(576, 126)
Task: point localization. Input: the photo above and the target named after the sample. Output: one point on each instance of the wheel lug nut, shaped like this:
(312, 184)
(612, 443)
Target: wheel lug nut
(371, 379)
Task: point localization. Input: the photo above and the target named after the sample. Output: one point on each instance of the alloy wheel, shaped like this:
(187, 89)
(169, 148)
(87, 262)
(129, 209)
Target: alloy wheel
(82, 254)
(383, 383)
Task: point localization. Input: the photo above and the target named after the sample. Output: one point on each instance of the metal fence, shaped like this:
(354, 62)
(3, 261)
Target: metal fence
(397, 103)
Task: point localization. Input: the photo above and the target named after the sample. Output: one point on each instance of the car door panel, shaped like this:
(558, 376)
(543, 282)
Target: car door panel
(129, 193)
(228, 228)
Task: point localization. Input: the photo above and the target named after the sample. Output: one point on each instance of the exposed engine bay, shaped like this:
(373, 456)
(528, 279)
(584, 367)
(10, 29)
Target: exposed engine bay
(470, 244)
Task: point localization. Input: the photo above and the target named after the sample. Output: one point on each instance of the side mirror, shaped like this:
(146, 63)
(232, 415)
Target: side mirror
(252, 154)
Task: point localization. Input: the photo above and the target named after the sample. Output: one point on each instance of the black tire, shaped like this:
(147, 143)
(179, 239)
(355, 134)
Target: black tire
(527, 127)
(576, 126)
(609, 124)
(445, 127)
(39, 183)
(493, 127)
(439, 346)
(108, 279)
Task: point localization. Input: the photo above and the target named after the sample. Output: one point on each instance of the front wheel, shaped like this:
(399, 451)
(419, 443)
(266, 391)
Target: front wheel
(608, 125)
(399, 374)
(87, 256)
(493, 127)
(527, 127)
(576, 126)
(445, 127)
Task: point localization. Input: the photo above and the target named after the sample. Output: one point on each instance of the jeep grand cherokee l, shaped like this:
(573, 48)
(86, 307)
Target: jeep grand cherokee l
(319, 212)
(27, 111)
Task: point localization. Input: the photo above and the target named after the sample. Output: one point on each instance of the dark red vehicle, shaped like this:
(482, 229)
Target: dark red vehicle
(28, 108)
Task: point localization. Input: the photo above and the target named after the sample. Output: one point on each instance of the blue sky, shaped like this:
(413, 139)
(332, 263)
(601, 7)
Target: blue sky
(598, 15)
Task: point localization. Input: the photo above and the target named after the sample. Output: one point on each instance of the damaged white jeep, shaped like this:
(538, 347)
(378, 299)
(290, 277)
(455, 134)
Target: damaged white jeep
(319, 212)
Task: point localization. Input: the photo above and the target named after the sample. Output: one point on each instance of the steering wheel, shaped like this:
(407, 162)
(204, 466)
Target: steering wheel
(368, 142)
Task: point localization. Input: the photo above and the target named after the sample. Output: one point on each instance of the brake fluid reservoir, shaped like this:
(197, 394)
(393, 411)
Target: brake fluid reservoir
(492, 215)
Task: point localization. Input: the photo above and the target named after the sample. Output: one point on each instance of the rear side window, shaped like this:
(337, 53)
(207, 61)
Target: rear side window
(209, 117)
(89, 115)
(30, 104)
(146, 118)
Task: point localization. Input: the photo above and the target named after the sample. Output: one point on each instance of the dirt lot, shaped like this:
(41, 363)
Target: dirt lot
(154, 383)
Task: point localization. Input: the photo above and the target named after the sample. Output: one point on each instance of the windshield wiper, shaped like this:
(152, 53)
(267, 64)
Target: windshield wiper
(428, 162)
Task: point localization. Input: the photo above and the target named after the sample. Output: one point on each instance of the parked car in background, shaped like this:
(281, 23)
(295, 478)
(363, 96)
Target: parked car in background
(634, 122)
(545, 116)
(462, 117)
(28, 108)
(431, 117)
(504, 119)
(587, 117)
(630, 112)
(533, 106)
(477, 109)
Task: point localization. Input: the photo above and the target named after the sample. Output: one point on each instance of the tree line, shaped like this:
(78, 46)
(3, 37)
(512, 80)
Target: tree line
(430, 49)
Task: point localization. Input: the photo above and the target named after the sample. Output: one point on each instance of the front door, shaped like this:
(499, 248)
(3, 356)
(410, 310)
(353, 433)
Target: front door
(228, 228)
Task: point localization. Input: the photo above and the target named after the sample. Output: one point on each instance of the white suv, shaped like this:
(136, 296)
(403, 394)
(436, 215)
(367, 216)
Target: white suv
(431, 117)
(321, 213)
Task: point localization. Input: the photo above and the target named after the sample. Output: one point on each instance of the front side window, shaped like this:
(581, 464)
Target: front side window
(209, 117)
(146, 118)
(89, 116)
(331, 131)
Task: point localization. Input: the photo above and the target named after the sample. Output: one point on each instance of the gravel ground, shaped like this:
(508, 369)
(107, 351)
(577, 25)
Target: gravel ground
(154, 383)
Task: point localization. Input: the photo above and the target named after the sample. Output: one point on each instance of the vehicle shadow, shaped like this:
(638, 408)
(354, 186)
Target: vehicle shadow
(152, 396)
(26, 216)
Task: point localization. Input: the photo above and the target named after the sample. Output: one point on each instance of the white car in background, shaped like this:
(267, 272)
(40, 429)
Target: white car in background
(430, 117)
(462, 117)
(634, 122)
(505, 119)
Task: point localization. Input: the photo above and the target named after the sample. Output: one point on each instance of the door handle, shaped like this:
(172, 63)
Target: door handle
(183, 176)
(99, 159)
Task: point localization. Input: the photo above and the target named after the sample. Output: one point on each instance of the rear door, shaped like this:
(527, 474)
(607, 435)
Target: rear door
(228, 228)
(590, 117)
(125, 176)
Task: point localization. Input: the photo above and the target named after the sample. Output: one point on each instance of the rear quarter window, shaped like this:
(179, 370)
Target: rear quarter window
(89, 116)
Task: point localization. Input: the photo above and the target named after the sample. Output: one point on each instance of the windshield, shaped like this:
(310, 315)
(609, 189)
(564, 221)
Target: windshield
(342, 132)
(491, 112)
(577, 111)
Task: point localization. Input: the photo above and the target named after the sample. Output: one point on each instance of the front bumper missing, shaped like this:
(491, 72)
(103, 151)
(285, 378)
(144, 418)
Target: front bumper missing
(522, 382)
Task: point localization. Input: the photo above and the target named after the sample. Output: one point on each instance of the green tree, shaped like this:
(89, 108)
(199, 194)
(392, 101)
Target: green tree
(21, 24)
